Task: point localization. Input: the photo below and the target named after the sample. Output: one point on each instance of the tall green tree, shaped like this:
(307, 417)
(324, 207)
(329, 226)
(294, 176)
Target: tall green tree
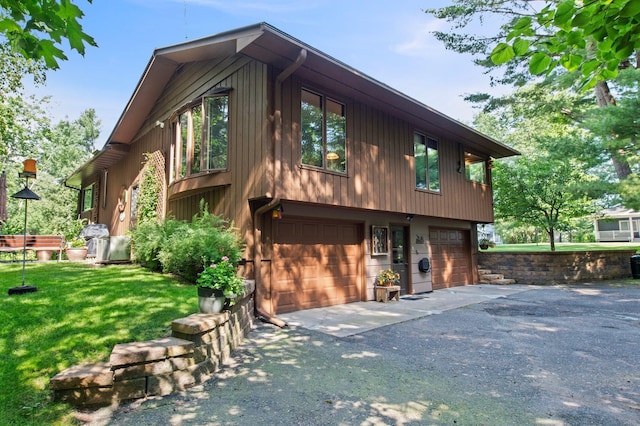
(59, 149)
(593, 38)
(559, 177)
(542, 192)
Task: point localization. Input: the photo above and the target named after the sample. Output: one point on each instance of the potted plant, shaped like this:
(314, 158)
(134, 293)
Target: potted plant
(217, 283)
(485, 243)
(387, 277)
(76, 249)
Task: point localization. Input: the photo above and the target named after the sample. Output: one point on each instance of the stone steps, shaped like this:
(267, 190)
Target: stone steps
(488, 277)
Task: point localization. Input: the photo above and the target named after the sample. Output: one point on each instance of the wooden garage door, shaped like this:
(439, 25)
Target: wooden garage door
(315, 263)
(451, 258)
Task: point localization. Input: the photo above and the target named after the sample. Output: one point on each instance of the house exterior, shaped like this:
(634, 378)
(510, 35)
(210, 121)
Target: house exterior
(617, 224)
(329, 175)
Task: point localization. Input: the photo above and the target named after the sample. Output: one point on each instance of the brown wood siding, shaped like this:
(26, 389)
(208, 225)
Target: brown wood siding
(250, 144)
(249, 136)
(125, 173)
(380, 166)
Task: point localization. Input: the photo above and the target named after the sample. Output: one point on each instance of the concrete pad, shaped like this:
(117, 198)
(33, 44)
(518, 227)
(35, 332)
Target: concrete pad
(358, 317)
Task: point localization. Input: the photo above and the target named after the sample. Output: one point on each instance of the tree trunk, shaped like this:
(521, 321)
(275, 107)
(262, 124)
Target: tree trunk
(552, 239)
(618, 157)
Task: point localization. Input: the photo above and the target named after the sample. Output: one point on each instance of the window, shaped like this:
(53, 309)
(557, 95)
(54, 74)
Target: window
(87, 198)
(202, 137)
(323, 125)
(427, 162)
(134, 202)
(475, 168)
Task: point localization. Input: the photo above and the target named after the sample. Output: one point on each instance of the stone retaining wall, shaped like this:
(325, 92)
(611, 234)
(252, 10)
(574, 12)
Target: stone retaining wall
(199, 344)
(559, 267)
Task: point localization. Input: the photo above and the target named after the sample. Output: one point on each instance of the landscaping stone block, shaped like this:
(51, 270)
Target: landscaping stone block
(130, 389)
(143, 370)
(151, 350)
(83, 376)
(199, 323)
(85, 396)
(200, 343)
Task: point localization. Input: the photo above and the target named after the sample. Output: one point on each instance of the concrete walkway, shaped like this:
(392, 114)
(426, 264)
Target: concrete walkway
(355, 318)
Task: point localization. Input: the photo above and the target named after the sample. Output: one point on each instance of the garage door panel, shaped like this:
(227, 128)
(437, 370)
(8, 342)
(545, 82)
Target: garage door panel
(451, 261)
(315, 264)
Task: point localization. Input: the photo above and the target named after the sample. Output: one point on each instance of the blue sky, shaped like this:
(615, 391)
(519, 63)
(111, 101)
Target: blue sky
(389, 41)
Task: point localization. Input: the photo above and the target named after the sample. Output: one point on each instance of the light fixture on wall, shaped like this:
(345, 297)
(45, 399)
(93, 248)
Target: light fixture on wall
(160, 123)
(409, 217)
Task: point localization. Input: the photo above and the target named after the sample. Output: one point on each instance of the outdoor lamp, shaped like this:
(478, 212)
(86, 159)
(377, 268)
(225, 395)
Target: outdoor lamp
(25, 194)
(29, 168)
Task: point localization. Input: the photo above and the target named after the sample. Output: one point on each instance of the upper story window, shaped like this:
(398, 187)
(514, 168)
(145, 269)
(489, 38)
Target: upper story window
(202, 137)
(427, 161)
(475, 168)
(324, 132)
(87, 197)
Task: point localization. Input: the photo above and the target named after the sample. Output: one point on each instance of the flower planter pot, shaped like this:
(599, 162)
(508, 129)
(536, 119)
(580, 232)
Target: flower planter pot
(44, 255)
(76, 254)
(210, 301)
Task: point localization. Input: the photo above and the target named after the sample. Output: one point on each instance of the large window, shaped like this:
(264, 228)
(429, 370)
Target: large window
(475, 168)
(324, 132)
(427, 162)
(202, 137)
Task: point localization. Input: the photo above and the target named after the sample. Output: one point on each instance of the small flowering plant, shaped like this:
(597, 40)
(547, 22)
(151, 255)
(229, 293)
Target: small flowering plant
(387, 277)
(221, 276)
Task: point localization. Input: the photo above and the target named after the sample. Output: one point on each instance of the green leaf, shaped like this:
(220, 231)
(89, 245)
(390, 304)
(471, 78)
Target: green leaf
(631, 9)
(8, 25)
(571, 62)
(49, 52)
(624, 52)
(590, 66)
(521, 46)
(608, 74)
(502, 53)
(539, 63)
(581, 19)
(564, 13)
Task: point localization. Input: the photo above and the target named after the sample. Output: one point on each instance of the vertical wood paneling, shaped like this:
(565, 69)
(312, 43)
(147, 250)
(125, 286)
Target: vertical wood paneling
(380, 172)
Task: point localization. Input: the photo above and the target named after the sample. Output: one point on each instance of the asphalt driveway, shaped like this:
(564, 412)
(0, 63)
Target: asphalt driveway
(566, 355)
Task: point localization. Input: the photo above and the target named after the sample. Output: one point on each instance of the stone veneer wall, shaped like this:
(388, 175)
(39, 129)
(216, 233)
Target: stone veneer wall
(559, 267)
(198, 346)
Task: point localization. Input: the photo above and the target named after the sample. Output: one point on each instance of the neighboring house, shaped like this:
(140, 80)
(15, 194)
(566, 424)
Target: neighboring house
(329, 175)
(617, 224)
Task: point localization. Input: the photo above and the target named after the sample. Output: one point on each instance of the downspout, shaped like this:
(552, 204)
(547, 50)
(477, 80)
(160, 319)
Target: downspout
(277, 159)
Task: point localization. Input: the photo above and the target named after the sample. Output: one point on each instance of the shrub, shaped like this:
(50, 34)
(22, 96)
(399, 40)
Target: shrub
(147, 240)
(186, 248)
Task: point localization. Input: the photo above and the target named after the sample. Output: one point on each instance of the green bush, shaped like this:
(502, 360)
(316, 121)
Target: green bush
(146, 242)
(186, 248)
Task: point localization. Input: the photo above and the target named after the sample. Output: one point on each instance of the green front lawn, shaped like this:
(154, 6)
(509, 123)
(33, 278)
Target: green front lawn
(77, 315)
(545, 247)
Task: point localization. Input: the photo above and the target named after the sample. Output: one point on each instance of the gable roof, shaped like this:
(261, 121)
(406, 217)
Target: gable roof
(267, 44)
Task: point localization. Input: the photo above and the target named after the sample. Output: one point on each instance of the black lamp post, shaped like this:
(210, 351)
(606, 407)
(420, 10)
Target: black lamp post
(25, 194)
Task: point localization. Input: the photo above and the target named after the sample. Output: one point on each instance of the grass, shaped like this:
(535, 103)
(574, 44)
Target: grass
(77, 315)
(545, 247)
